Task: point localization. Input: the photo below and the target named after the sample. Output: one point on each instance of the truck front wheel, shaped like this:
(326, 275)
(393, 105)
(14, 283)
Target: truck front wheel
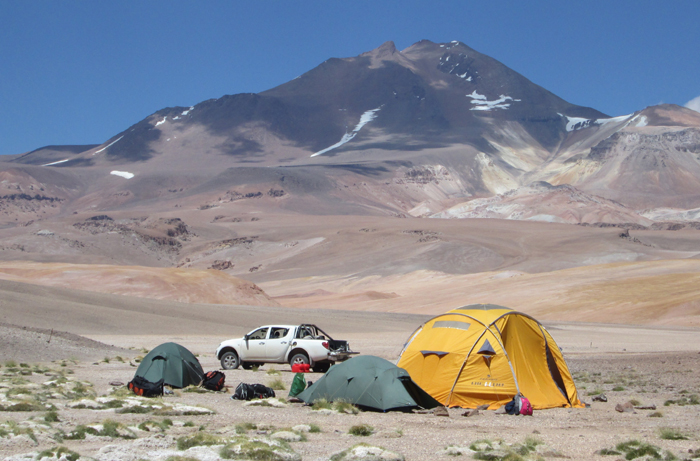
(230, 361)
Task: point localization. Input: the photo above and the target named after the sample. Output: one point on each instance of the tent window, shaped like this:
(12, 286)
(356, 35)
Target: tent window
(452, 324)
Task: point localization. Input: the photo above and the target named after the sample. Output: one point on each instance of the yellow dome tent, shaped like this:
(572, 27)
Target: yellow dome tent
(484, 354)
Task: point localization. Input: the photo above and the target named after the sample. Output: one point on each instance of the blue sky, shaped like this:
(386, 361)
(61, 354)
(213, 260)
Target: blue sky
(78, 72)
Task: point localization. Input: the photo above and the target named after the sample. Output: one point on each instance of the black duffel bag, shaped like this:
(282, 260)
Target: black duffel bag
(252, 391)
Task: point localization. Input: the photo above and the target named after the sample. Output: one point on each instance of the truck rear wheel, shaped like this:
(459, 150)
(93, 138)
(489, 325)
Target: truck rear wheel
(299, 358)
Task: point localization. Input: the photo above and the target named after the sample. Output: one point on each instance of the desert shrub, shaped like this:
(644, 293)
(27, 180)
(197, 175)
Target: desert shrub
(26, 405)
(59, 453)
(256, 450)
(656, 414)
(195, 389)
(198, 439)
(79, 433)
(162, 425)
(361, 430)
(243, 428)
(618, 388)
(181, 458)
(51, 417)
(633, 449)
(10, 364)
(314, 428)
(136, 409)
(345, 407)
(188, 424)
(273, 372)
(692, 399)
(321, 404)
(667, 433)
(277, 384)
(596, 391)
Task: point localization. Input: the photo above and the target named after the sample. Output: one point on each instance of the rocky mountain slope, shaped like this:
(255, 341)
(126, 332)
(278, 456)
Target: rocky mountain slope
(344, 163)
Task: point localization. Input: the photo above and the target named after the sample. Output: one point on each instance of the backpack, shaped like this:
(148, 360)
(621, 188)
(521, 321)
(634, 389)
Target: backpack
(252, 391)
(525, 406)
(519, 406)
(214, 380)
(141, 386)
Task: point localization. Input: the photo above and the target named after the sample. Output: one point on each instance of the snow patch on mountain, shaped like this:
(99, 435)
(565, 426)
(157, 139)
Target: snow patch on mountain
(110, 144)
(483, 104)
(55, 163)
(185, 112)
(123, 174)
(367, 117)
(162, 121)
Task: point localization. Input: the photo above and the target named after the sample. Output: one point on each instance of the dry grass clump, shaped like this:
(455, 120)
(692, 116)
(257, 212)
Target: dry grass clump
(361, 430)
(668, 433)
(199, 439)
(59, 452)
(264, 450)
(243, 428)
(160, 425)
(633, 449)
(277, 385)
(692, 399)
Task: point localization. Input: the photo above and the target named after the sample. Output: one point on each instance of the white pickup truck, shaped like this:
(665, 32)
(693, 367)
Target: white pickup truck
(284, 344)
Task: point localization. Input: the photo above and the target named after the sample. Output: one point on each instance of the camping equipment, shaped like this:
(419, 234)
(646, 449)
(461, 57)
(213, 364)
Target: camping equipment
(173, 364)
(519, 406)
(214, 380)
(252, 391)
(486, 354)
(369, 382)
(145, 388)
(301, 368)
(298, 385)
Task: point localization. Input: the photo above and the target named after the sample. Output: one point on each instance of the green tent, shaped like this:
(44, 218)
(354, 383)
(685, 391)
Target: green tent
(172, 363)
(369, 382)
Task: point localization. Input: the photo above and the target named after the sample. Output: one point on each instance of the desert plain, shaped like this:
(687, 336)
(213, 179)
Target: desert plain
(624, 313)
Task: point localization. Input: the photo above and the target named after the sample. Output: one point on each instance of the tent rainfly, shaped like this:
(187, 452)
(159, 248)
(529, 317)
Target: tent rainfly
(172, 363)
(484, 354)
(369, 382)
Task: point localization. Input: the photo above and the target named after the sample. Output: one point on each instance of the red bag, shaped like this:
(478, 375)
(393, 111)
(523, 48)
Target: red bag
(525, 407)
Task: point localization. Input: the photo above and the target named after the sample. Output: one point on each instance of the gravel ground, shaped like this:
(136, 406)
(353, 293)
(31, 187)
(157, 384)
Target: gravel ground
(648, 378)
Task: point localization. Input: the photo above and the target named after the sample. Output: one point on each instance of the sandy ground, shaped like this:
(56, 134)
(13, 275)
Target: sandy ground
(651, 365)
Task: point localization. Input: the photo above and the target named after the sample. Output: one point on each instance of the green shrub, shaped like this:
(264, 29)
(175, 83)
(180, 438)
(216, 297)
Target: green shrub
(345, 407)
(255, 450)
(277, 384)
(321, 404)
(243, 428)
(51, 417)
(667, 433)
(656, 414)
(314, 428)
(618, 388)
(59, 452)
(198, 439)
(361, 430)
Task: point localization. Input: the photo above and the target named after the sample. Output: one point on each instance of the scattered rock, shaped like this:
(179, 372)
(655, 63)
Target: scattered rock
(600, 398)
(626, 407)
(469, 413)
(645, 407)
(441, 411)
